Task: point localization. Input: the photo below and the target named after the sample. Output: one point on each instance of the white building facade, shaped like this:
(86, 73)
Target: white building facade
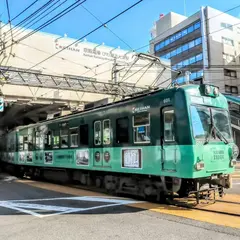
(95, 62)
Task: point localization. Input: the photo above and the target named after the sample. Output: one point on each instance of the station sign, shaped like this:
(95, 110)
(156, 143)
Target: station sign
(1, 104)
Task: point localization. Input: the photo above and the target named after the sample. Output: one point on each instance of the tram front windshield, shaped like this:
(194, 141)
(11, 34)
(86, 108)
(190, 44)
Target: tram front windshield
(208, 122)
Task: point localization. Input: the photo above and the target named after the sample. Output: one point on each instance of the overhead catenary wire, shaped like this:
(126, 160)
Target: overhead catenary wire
(37, 19)
(31, 15)
(111, 60)
(89, 33)
(100, 26)
(24, 10)
(173, 47)
(9, 20)
(53, 19)
(217, 15)
(106, 27)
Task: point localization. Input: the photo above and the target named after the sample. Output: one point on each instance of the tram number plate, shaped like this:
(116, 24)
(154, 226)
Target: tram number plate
(131, 158)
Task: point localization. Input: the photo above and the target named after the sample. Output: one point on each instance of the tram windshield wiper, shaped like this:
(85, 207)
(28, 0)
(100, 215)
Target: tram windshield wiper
(220, 135)
(209, 135)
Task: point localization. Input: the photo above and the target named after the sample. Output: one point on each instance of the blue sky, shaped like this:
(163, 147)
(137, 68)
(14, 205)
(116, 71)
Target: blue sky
(134, 26)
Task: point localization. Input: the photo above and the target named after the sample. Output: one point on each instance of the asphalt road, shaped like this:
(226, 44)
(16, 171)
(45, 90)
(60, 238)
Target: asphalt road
(29, 212)
(236, 187)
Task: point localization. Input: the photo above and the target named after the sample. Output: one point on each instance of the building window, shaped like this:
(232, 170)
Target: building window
(191, 29)
(97, 133)
(230, 73)
(188, 61)
(73, 137)
(177, 36)
(199, 57)
(226, 25)
(179, 50)
(191, 44)
(197, 41)
(192, 60)
(227, 88)
(184, 32)
(122, 135)
(238, 30)
(234, 89)
(228, 57)
(227, 41)
(197, 25)
(231, 89)
(182, 48)
(141, 127)
(167, 41)
(169, 133)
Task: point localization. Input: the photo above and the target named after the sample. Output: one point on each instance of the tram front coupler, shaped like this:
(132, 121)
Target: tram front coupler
(223, 180)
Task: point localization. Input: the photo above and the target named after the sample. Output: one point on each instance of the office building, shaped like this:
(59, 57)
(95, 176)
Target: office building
(207, 44)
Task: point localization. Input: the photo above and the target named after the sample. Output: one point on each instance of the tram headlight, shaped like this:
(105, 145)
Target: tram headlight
(233, 163)
(234, 154)
(235, 151)
(199, 166)
(207, 90)
(216, 91)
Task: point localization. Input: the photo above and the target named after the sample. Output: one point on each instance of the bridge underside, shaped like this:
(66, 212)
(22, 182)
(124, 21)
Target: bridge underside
(16, 114)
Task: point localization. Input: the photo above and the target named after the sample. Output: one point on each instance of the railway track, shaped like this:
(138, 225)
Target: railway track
(218, 205)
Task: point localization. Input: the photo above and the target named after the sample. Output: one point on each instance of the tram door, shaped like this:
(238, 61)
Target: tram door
(102, 143)
(169, 148)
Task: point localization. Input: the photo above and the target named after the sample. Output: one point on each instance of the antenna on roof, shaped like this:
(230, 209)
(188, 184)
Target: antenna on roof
(184, 5)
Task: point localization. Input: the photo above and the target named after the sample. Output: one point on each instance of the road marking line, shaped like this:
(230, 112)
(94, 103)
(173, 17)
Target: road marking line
(19, 205)
(20, 210)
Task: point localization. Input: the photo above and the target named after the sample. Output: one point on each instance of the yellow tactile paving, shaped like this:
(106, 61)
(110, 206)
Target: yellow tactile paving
(215, 218)
(230, 198)
(61, 189)
(222, 207)
(210, 217)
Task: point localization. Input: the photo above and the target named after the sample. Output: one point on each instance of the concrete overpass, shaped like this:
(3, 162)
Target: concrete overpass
(30, 96)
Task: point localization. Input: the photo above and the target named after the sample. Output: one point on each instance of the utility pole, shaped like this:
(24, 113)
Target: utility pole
(2, 43)
(114, 71)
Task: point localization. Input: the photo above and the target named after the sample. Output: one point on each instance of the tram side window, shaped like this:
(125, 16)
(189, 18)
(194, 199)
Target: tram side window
(64, 138)
(84, 135)
(56, 139)
(122, 135)
(48, 139)
(106, 132)
(169, 132)
(141, 127)
(97, 133)
(39, 138)
(30, 141)
(20, 143)
(73, 137)
(25, 143)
